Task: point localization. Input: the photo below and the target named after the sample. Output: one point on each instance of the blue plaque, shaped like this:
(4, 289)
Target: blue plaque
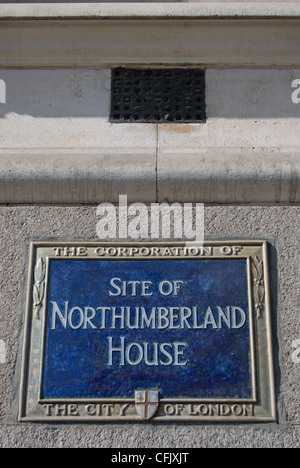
(138, 332)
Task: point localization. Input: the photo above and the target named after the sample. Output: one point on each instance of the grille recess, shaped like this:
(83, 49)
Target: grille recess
(158, 95)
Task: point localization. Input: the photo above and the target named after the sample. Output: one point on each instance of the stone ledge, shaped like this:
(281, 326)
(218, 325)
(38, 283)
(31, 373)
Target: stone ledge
(59, 176)
(244, 175)
(209, 175)
(149, 10)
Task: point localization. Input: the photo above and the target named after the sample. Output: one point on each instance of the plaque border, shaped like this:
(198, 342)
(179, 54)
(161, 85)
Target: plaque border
(261, 391)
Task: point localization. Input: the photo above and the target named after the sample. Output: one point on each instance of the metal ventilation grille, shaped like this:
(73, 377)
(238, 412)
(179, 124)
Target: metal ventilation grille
(158, 95)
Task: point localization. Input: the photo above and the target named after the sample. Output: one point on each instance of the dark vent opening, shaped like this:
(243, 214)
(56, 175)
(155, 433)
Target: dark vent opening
(158, 95)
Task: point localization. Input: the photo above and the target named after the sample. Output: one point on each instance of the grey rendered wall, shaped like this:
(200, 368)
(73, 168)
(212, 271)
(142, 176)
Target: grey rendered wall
(279, 224)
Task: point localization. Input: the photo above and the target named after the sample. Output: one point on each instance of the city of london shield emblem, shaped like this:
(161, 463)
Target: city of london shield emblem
(146, 403)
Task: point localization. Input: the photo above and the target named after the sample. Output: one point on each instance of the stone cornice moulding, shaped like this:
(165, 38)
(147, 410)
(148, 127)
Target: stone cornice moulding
(209, 175)
(96, 35)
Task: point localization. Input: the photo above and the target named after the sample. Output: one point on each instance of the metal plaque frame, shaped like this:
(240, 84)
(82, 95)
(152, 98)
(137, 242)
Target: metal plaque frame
(146, 403)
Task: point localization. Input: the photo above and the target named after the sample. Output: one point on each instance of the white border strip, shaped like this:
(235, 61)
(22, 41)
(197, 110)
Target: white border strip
(149, 10)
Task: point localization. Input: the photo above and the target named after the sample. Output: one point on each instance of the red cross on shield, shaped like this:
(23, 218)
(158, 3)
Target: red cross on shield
(146, 403)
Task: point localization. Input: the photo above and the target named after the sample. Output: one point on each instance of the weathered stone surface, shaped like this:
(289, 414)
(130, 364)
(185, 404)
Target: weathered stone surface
(58, 145)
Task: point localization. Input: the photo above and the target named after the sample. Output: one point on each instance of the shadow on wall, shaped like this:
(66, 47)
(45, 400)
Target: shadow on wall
(78, 93)
(251, 94)
(56, 93)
